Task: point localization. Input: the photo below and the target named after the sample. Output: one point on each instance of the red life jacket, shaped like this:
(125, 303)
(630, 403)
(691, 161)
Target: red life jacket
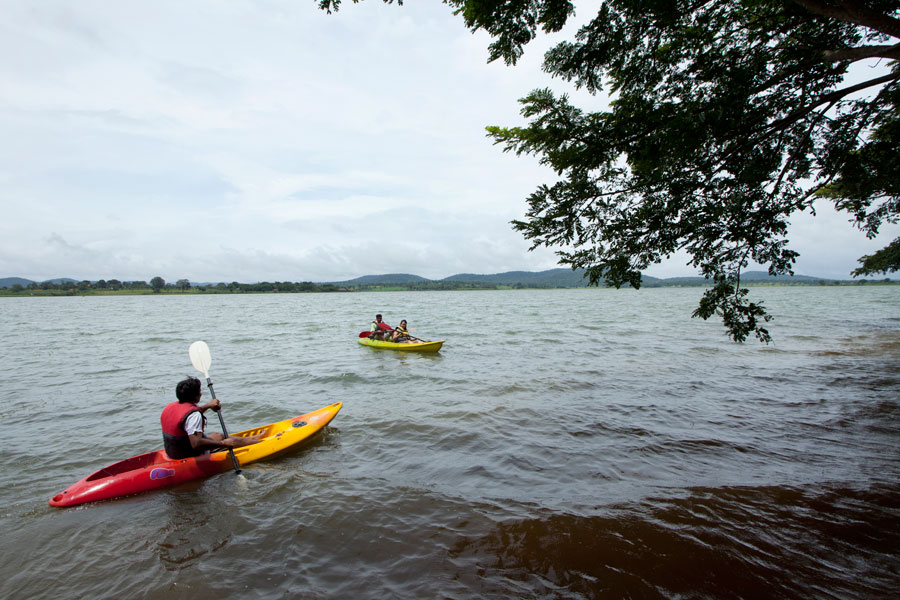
(175, 438)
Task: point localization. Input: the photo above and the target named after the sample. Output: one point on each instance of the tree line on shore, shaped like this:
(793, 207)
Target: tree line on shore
(159, 285)
(70, 287)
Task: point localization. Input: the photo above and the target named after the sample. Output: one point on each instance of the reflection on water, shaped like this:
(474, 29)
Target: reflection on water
(730, 542)
(196, 526)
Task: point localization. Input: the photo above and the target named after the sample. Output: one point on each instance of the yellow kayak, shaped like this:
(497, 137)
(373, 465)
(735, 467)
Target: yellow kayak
(408, 347)
(281, 436)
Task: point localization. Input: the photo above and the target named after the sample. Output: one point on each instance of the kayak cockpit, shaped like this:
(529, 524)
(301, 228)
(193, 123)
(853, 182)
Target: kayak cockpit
(130, 464)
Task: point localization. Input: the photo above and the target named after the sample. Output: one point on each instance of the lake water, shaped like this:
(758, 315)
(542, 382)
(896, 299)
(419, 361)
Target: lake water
(563, 444)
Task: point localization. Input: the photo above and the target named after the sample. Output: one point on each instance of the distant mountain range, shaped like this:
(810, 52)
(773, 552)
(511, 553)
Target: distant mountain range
(560, 278)
(552, 278)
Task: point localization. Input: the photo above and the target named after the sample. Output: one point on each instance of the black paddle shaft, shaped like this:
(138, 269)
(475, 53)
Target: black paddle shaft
(212, 391)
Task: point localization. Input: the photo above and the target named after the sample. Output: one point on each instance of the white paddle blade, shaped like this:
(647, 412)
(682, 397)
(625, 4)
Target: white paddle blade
(200, 357)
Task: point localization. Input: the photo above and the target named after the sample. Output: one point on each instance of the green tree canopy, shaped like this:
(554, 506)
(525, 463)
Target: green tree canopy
(157, 283)
(726, 118)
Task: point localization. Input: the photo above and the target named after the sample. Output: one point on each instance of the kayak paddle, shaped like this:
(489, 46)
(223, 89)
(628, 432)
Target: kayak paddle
(201, 359)
(412, 337)
(363, 334)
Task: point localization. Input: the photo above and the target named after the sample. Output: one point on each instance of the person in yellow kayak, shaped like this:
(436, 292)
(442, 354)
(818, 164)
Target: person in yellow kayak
(183, 424)
(401, 334)
(379, 328)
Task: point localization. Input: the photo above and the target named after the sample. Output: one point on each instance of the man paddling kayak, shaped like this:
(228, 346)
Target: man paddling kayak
(183, 424)
(378, 328)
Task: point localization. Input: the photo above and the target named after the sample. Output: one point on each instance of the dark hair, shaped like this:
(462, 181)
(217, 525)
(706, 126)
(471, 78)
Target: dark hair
(376, 316)
(188, 389)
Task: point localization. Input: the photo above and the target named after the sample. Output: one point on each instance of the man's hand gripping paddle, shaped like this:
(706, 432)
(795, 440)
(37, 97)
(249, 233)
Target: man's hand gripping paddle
(201, 359)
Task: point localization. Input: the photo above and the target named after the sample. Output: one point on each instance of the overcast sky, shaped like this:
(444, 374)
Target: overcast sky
(267, 140)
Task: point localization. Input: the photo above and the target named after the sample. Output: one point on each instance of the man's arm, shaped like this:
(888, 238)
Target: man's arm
(213, 405)
(213, 442)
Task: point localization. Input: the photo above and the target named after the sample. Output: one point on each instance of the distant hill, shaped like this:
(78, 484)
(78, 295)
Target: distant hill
(550, 278)
(747, 277)
(8, 282)
(754, 276)
(389, 279)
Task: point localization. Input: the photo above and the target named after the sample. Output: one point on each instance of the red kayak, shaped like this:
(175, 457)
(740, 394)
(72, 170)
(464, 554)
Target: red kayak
(155, 470)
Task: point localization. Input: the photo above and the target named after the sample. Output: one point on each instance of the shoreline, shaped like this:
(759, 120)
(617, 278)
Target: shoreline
(201, 291)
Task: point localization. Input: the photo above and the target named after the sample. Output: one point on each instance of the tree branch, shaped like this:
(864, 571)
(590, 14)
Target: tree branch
(855, 13)
(825, 99)
(862, 53)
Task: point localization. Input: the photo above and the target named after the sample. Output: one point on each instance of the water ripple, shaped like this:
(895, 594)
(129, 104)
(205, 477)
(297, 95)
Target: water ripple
(634, 453)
